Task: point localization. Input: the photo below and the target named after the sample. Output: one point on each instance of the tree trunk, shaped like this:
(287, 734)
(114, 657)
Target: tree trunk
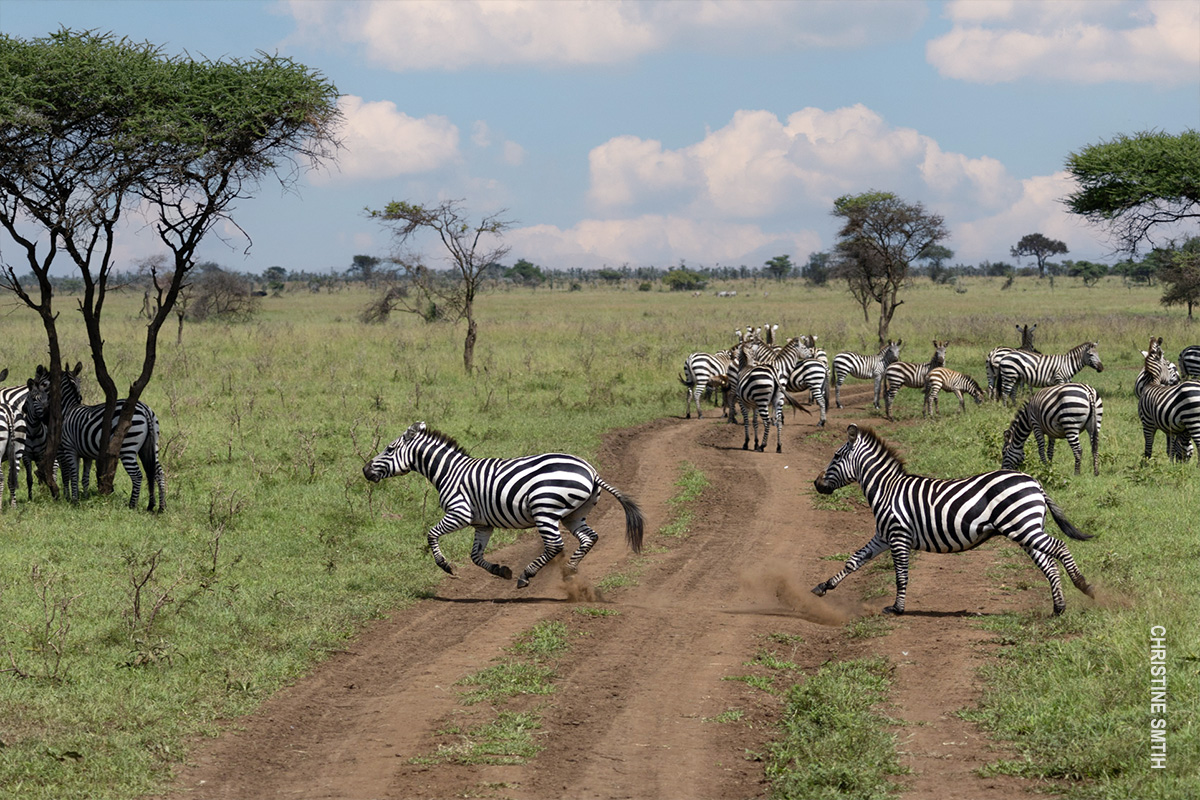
(469, 346)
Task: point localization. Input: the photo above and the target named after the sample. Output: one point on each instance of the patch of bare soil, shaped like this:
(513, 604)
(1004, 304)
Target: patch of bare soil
(640, 695)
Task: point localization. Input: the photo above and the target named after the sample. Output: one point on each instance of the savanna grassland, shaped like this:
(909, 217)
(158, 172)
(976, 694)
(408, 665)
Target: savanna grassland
(126, 635)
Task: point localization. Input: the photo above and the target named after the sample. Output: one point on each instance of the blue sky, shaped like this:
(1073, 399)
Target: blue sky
(655, 133)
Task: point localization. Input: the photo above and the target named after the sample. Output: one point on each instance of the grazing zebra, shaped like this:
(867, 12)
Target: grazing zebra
(866, 367)
(992, 360)
(1175, 410)
(905, 373)
(81, 434)
(945, 516)
(811, 374)
(701, 373)
(1189, 361)
(1037, 370)
(539, 491)
(953, 381)
(1056, 412)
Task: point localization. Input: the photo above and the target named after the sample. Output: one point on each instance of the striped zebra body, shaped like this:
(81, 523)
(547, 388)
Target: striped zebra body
(870, 368)
(7, 444)
(81, 441)
(945, 516)
(782, 359)
(992, 360)
(541, 491)
(1189, 361)
(760, 395)
(1056, 412)
(1038, 370)
(1175, 410)
(12, 407)
(701, 373)
(941, 378)
(905, 373)
(811, 374)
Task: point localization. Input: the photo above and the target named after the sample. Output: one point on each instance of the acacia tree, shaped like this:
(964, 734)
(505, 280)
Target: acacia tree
(1180, 275)
(779, 267)
(1040, 248)
(91, 126)
(471, 249)
(1135, 185)
(881, 236)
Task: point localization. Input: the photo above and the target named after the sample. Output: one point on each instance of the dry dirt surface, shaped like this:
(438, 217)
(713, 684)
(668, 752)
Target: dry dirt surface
(643, 706)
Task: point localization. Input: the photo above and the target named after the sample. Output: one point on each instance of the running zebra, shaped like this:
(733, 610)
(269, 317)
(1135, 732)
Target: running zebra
(952, 381)
(1189, 361)
(81, 434)
(811, 374)
(1175, 410)
(701, 374)
(945, 516)
(1056, 412)
(865, 367)
(906, 373)
(1037, 370)
(540, 492)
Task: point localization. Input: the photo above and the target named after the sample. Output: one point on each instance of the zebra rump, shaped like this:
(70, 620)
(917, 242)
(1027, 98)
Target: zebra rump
(1056, 412)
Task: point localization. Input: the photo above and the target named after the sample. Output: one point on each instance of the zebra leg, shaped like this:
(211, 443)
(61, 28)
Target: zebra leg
(553, 545)
(837, 389)
(1076, 448)
(871, 549)
(1149, 431)
(1045, 563)
(900, 558)
(746, 425)
(878, 389)
(135, 475)
(587, 538)
(87, 476)
(1040, 437)
(1053, 547)
(448, 524)
(482, 535)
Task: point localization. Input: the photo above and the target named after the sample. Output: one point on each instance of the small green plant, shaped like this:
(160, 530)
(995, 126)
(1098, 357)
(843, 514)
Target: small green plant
(508, 739)
(691, 483)
(588, 611)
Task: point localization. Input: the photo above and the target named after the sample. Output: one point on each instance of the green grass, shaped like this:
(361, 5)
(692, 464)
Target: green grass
(274, 551)
(832, 742)
(691, 484)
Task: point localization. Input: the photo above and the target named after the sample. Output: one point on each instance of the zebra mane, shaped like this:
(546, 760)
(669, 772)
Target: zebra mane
(887, 448)
(443, 438)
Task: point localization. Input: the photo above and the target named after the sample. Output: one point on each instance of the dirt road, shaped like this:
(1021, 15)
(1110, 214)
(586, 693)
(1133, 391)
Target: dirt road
(637, 711)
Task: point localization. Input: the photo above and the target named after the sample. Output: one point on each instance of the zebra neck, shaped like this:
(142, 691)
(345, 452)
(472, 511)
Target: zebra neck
(439, 464)
(1021, 427)
(878, 472)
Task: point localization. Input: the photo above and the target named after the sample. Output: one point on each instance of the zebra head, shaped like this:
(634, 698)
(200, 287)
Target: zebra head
(397, 457)
(1091, 356)
(891, 351)
(1013, 454)
(841, 470)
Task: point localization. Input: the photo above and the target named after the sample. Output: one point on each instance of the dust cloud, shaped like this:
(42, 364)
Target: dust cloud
(773, 586)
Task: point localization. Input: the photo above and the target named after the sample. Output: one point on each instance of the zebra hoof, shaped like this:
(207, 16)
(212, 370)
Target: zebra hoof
(820, 589)
(504, 572)
(522, 582)
(445, 565)
(892, 610)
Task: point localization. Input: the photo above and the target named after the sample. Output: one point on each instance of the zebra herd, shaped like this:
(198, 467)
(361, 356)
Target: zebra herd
(23, 414)
(918, 513)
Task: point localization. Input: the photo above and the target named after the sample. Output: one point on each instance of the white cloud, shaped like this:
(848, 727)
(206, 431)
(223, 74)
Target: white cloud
(1038, 208)
(652, 239)
(435, 34)
(1084, 42)
(381, 141)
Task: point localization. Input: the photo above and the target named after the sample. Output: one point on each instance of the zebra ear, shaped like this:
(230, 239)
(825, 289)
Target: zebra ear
(852, 433)
(413, 430)
(78, 367)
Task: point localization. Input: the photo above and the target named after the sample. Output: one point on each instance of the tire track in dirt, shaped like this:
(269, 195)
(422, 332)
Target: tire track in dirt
(638, 692)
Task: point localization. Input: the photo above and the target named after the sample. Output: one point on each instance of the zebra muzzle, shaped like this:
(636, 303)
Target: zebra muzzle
(822, 487)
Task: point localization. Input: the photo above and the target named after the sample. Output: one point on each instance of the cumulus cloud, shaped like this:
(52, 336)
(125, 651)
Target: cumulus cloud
(380, 141)
(1080, 41)
(758, 164)
(1037, 208)
(434, 34)
(655, 239)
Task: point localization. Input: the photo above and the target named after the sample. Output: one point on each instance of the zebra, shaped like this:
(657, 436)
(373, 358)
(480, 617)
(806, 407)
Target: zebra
(7, 448)
(760, 393)
(1056, 412)
(992, 360)
(945, 378)
(700, 374)
(1175, 410)
(1189, 361)
(1039, 370)
(866, 367)
(541, 491)
(945, 516)
(12, 402)
(81, 434)
(811, 374)
(906, 373)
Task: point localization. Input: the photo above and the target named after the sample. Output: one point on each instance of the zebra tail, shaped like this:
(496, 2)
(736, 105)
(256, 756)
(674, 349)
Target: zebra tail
(1063, 523)
(794, 402)
(686, 382)
(635, 521)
